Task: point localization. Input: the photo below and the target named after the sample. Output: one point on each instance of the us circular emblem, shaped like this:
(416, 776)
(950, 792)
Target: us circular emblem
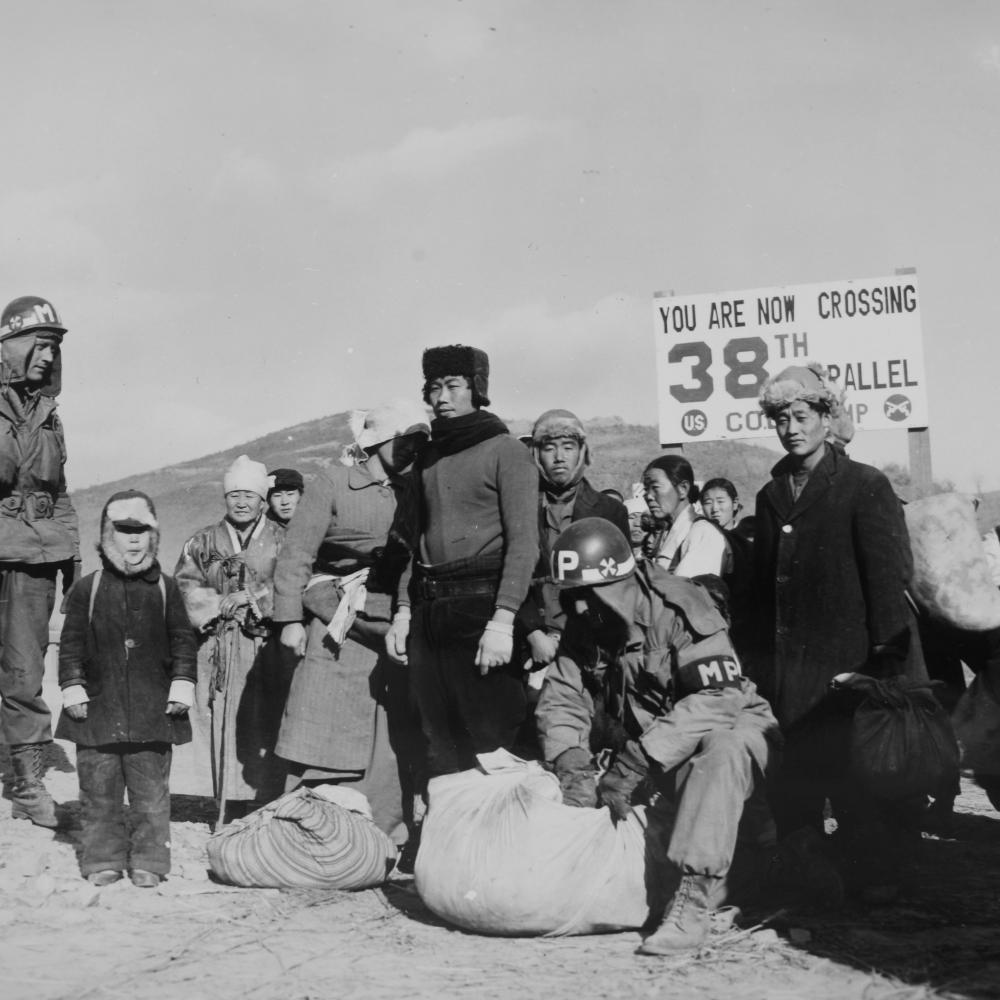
(608, 567)
(898, 407)
(16, 321)
(694, 423)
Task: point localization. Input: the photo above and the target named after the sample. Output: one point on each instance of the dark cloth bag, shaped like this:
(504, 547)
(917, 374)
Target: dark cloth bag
(901, 742)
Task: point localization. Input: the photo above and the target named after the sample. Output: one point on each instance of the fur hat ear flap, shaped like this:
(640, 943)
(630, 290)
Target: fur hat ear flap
(129, 510)
(480, 390)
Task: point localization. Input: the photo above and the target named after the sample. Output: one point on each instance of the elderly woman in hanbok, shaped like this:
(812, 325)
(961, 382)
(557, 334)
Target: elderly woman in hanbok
(225, 572)
(348, 717)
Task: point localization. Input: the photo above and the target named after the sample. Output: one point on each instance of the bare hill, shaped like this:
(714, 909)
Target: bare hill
(188, 496)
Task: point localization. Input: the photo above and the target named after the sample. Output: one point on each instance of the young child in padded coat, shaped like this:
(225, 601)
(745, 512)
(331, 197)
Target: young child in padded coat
(127, 669)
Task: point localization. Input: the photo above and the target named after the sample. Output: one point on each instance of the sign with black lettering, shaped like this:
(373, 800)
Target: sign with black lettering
(715, 351)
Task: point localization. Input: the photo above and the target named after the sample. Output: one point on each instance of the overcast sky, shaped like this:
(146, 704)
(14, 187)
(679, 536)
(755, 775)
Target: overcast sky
(255, 213)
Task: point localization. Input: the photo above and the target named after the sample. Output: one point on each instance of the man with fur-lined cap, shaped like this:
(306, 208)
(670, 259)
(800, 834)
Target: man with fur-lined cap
(477, 502)
(832, 561)
(561, 452)
(38, 538)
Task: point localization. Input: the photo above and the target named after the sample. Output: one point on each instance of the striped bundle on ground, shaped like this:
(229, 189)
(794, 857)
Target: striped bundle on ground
(302, 841)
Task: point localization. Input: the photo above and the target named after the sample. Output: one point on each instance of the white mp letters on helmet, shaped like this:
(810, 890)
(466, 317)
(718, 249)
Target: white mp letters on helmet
(566, 559)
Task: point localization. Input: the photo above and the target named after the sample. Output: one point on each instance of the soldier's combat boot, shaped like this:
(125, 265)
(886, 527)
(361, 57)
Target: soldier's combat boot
(29, 797)
(686, 923)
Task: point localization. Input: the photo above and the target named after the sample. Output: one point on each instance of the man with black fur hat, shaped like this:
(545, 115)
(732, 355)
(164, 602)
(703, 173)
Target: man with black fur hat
(477, 497)
(38, 537)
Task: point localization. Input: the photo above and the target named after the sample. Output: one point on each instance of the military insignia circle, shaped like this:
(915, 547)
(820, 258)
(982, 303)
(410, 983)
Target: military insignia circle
(898, 407)
(16, 322)
(609, 567)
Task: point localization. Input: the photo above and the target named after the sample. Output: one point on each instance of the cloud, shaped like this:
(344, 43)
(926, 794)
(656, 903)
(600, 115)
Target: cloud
(423, 154)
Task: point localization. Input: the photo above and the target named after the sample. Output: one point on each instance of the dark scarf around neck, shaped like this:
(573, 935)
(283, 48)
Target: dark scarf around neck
(450, 435)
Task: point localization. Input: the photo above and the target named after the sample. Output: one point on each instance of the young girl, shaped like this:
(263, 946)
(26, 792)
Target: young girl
(720, 502)
(127, 670)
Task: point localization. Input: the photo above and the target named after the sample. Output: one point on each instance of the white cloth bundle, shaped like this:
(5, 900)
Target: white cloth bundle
(951, 576)
(500, 854)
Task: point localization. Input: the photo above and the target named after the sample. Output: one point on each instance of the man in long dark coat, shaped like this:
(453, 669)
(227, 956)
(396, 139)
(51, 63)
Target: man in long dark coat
(832, 564)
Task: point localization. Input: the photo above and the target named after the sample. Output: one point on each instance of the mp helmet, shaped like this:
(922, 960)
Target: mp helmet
(591, 551)
(29, 313)
(22, 323)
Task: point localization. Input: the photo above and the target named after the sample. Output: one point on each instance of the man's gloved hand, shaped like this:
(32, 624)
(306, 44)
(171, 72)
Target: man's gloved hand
(543, 647)
(175, 708)
(575, 770)
(621, 779)
(76, 712)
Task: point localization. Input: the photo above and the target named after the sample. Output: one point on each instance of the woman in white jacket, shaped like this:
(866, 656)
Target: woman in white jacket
(683, 542)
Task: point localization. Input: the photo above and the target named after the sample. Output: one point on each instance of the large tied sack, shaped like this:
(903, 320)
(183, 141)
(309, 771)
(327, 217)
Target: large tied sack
(302, 840)
(902, 741)
(951, 577)
(500, 854)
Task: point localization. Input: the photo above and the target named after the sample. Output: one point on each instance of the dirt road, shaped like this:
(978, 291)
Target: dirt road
(194, 939)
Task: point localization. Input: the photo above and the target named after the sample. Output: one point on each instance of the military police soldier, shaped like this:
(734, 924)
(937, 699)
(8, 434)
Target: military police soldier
(651, 653)
(38, 538)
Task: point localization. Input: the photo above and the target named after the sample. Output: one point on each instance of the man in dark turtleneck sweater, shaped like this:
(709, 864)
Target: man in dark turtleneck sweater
(477, 496)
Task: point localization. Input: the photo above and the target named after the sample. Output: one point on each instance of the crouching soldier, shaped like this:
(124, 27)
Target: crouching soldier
(650, 651)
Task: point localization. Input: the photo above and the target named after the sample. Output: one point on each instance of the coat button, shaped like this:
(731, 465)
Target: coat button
(786, 528)
(782, 578)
